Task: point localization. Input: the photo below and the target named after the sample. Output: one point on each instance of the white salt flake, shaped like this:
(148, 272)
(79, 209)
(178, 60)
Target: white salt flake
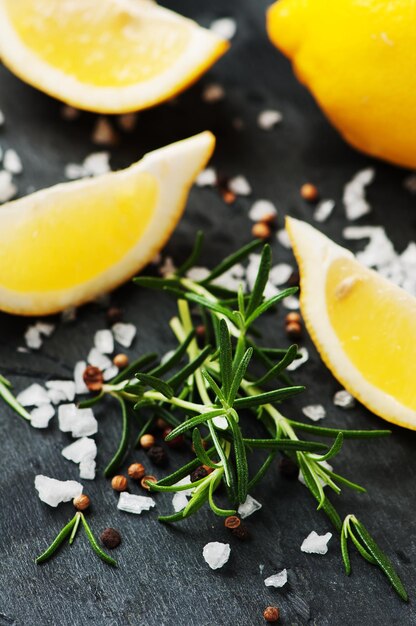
(41, 415)
(73, 171)
(277, 580)
(304, 356)
(35, 395)
(83, 452)
(179, 501)
(97, 163)
(103, 133)
(216, 554)
(240, 186)
(316, 544)
(197, 273)
(12, 162)
(128, 121)
(79, 369)
(134, 504)
(314, 412)
(225, 27)
(262, 209)
(248, 507)
(207, 178)
(104, 341)
(87, 469)
(354, 198)
(79, 422)
(291, 303)
(53, 492)
(7, 188)
(269, 118)
(213, 93)
(280, 274)
(283, 238)
(61, 390)
(33, 338)
(344, 399)
(251, 275)
(96, 358)
(232, 278)
(323, 210)
(220, 422)
(110, 372)
(379, 252)
(124, 333)
(45, 329)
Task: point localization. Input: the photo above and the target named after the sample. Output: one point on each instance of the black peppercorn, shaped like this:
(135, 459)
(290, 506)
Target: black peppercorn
(241, 532)
(288, 469)
(110, 538)
(157, 455)
(199, 473)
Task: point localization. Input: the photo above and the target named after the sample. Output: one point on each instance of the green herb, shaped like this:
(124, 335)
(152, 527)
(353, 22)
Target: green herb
(72, 528)
(207, 393)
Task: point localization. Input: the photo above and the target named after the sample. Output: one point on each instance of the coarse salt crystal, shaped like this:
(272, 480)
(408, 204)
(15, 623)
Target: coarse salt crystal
(103, 133)
(41, 415)
(268, 119)
(104, 341)
(7, 188)
(35, 395)
(216, 554)
(110, 372)
(80, 422)
(291, 303)
(248, 507)
(354, 198)
(344, 399)
(45, 329)
(220, 422)
(79, 369)
(304, 356)
(315, 412)
(316, 544)
(240, 186)
(324, 210)
(207, 178)
(97, 163)
(224, 27)
(74, 170)
(262, 209)
(277, 580)
(197, 273)
(280, 274)
(213, 93)
(87, 469)
(61, 390)
(96, 358)
(83, 452)
(134, 504)
(53, 492)
(12, 162)
(179, 501)
(283, 238)
(124, 333)
(33, 338)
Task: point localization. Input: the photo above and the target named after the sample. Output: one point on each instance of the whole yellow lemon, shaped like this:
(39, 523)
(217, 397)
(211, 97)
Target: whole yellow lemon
(358, 58)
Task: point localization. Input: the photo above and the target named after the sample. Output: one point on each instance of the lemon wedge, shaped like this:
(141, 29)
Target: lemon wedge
(110, 56)
(65, 245)
(363, 326)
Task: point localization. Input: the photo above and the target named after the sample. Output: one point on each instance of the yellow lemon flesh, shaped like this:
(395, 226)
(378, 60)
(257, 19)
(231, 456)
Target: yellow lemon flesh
(109, 56)
(363, 326)
(65, 245)
(358, 59)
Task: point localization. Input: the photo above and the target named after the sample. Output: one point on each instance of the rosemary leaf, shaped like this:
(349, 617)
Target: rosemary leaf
(176, 380)
(277, 369)
(61, 536)
(231, 260)
(239, 374)
(260, 282)
(200, 450)
(8, 397)
(193, 257)
(333, 432)
(267, 397)
(118, 457)
(136, 366)
(175, 358)
(103, 555)
(156, 383)
(284, 444)
(265, 306)
(225, 357)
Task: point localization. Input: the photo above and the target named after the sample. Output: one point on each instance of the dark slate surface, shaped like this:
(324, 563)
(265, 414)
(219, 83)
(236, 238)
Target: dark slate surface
(162, 579)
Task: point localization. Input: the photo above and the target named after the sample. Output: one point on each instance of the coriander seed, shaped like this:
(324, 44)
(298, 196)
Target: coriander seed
(119, 483)
(81, 502)
(149, 478)
(147, 441)
(271, 614)
(294, 330)
(293, 317)
(93, 378)
(232, 522)
(309, 192)
(121, 360)
(110, 538)
(136, 471)
(261, 230)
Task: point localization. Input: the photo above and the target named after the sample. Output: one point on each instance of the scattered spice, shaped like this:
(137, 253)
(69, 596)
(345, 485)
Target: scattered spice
(293, 317)
(93, 378)
(110, 538)
(294, 331)
(121, 360)
(161, 423)
(309, 192)
(261, 230)
(119, 483)
(288, 469)
(177, 442)
(81, 502)
(114, 315)
(228, 196)
(157, 455)
(271, 614)
(232, 522)
(147, 441)
(200, 332)
(136, 471)
(149, 478)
